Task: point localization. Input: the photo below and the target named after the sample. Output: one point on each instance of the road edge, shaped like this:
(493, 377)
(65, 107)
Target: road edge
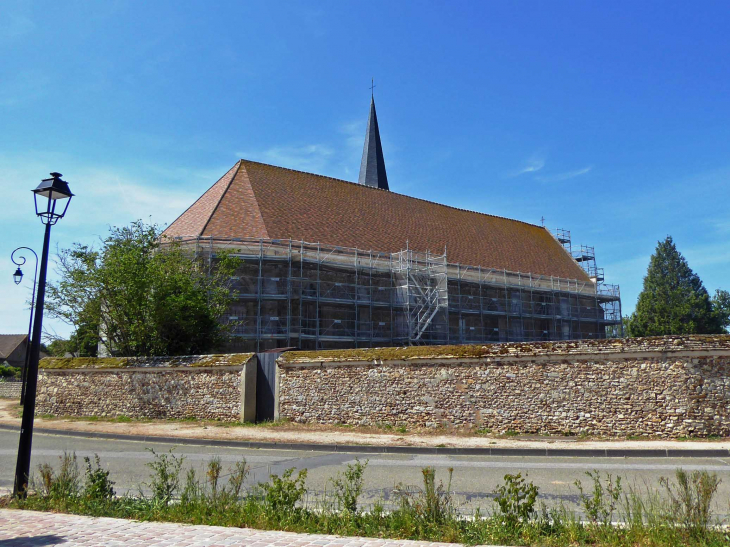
(415, 450)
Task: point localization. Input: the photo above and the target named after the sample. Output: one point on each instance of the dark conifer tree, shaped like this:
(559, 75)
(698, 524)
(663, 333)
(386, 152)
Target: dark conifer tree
(674, 300)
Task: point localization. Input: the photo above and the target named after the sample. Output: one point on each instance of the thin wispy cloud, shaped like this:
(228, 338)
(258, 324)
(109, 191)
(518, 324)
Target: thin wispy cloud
(339, 158)
(719, 225)
(117, 197)
(709, 254)
(532, 165)
(311, 157)
(130, 200)
(564, 176)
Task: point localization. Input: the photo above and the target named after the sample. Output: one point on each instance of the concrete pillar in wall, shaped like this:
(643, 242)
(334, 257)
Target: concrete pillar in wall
(248, 390)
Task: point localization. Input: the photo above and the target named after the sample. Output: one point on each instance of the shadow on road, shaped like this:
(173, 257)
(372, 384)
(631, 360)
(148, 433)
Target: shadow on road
(37, 541)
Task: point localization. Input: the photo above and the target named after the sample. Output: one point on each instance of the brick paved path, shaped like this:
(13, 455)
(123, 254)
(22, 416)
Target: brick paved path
(33, 529)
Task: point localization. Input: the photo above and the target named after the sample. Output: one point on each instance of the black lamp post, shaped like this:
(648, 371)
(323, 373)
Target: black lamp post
(18, 277)
(47, 197)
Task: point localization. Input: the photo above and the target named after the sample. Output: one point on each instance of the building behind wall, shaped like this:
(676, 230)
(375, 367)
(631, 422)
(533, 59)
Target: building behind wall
(328, 263)
(491, 279)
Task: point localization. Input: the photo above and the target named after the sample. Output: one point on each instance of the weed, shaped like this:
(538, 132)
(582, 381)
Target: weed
(348, 486)
(165, 478)
(97, 485)
(690, 498)
(213, 474)
(63, 485)
(601, 504)
(425, 513)
(238, 477)
(516, 499)
(283, 493)
(431, 503)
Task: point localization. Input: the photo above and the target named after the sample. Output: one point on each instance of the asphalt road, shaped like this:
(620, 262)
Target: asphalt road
(474, 477)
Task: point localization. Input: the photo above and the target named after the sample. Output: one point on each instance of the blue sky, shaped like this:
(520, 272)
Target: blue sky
(610, 119)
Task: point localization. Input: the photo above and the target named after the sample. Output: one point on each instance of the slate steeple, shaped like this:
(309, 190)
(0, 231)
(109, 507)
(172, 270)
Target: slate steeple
(372, 166)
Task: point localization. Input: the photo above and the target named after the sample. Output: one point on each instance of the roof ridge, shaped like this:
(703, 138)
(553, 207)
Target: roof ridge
(223, 193)
(391, 192)
(20, 339)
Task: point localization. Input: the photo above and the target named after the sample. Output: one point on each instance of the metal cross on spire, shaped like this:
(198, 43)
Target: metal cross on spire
(372, 86)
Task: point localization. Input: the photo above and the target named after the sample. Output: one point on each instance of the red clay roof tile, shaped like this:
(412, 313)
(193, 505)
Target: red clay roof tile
(264, 201)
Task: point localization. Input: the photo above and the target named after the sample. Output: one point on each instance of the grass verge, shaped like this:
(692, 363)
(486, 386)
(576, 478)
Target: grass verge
(679, 515)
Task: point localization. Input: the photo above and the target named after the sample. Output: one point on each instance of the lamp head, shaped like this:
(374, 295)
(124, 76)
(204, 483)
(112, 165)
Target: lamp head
(18, 276)
(47, 195)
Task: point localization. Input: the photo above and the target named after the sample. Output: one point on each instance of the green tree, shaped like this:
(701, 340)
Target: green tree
(139, 295)
(83, 342)
(674, 300)
(721, 307)
(57, 347)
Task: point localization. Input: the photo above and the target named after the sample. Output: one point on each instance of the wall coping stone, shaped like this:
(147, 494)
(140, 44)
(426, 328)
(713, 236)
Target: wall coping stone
(135, 363)
(628, 347)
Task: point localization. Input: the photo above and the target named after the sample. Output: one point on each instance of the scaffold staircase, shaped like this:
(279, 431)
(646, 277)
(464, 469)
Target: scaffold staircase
(584, 255)
(422, 282)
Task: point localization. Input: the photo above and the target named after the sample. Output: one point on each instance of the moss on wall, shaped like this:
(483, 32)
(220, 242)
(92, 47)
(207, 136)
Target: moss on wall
(214, 360)
(513, 349)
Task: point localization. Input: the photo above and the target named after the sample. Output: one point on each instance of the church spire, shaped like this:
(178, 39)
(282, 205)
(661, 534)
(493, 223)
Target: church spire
(372, 166)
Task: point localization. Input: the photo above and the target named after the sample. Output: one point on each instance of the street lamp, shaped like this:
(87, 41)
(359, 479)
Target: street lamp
(48, 197)
(18, 277)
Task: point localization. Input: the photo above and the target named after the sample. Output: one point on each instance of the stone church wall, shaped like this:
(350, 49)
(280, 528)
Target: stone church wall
(666, 387)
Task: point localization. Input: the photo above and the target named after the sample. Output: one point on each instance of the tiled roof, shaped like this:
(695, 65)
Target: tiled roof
(263, 201)
(9, 343)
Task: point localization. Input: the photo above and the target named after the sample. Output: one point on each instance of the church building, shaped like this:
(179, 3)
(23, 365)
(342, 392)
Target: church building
(328, 263)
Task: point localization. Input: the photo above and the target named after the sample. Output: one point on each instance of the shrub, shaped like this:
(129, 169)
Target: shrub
(7, 372)
(516, 499)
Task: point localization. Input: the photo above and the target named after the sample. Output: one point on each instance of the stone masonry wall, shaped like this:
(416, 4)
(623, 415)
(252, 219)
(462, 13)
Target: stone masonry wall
(10, 390)
(666, 387)
(205, 387)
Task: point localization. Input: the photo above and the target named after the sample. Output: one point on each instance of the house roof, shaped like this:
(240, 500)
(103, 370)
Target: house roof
(9, 343)
(256, 200)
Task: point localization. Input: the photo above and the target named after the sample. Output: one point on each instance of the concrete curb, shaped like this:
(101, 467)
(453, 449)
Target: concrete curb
(416, 450)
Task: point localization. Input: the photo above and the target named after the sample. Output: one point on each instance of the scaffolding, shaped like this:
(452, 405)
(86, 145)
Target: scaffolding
(422, 289)
(314, 296)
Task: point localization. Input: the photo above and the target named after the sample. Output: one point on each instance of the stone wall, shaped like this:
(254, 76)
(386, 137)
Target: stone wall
(666, 387)
(10, 390)
(205, 387)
